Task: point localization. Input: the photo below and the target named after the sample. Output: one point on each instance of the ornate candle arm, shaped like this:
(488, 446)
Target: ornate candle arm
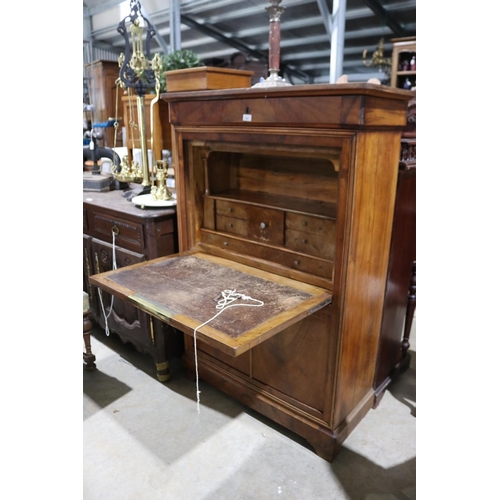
(274, 80)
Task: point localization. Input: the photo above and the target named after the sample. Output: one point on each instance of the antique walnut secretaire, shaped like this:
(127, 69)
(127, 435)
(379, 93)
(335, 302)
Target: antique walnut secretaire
(287, 195)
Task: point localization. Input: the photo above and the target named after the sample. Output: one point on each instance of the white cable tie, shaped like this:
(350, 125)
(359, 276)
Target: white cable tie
(228, 297)
(106, 316)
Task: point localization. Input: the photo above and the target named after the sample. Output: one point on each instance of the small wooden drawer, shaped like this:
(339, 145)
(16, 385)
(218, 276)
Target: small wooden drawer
(231, 209)
(309, 224)
(232, 225)
(307, 264)
(128, 234)
(299, 262)
(254, 222)
(319, 110)
(310, 235)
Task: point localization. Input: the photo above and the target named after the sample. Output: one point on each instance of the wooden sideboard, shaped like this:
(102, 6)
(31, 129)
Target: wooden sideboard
(288, 195)
(140, 235)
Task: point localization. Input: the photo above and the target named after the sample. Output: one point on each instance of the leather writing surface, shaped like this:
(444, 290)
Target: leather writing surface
(191, 287)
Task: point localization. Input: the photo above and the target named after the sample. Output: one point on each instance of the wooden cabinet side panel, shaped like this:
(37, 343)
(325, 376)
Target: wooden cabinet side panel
(160, 237)
(403, 254)
(372, 186)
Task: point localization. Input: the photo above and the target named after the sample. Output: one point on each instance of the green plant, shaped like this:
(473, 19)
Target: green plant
(178, 59)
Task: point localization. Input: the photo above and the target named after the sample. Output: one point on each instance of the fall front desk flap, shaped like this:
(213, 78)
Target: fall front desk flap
(187, 290)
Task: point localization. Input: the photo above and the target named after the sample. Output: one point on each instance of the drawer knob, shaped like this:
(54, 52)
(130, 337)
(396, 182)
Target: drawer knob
(296, 262)
(304, 223)
(230, 224)
(229, 209)
(263, 225)
(115, 230)
(225, 243)
(304, 241)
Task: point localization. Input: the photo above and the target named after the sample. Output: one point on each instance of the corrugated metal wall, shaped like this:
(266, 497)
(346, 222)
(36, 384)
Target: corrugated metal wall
(91, 53)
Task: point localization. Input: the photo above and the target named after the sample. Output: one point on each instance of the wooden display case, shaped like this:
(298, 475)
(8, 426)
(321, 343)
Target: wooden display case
(404, 51)
(287, 195)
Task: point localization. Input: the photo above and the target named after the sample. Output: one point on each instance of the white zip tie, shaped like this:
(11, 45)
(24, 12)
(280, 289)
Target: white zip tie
(228, 297)
(112, 296)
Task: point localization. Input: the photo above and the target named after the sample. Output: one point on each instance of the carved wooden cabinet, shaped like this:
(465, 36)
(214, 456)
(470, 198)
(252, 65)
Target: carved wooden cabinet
(286, 194)
(114, 228)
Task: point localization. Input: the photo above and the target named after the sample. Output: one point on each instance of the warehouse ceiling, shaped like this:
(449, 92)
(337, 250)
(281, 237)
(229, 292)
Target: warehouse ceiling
(235, 33)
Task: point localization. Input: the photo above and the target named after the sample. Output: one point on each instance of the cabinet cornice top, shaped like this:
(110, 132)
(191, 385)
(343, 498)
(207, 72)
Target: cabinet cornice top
(348, 89)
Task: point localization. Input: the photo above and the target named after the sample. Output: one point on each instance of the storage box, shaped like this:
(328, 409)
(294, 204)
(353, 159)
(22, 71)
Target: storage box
(207, 78)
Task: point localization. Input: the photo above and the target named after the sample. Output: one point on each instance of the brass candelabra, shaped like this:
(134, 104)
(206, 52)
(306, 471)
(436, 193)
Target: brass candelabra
(140, 72)
(378, 59)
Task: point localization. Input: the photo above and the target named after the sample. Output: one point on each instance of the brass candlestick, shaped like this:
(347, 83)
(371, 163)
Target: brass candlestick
(161, 191)
(274, 80)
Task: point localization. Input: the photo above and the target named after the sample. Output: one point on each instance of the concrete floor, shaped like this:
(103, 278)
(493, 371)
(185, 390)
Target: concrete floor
(145, 440)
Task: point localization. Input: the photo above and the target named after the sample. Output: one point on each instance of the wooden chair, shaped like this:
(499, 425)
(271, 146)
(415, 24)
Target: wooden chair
(88, 357)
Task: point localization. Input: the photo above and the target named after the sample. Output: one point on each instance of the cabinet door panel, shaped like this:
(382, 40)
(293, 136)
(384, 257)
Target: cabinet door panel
(123, 316)
(298, 362)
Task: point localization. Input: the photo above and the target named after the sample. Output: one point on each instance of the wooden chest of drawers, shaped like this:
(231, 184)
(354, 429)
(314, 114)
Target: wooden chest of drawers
(115, 229)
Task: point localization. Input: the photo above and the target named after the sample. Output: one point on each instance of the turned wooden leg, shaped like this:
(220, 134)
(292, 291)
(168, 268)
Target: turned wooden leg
(410, 310)
(88, 357)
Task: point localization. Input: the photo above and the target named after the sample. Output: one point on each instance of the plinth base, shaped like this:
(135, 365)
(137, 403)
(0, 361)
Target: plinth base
(273, 80)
